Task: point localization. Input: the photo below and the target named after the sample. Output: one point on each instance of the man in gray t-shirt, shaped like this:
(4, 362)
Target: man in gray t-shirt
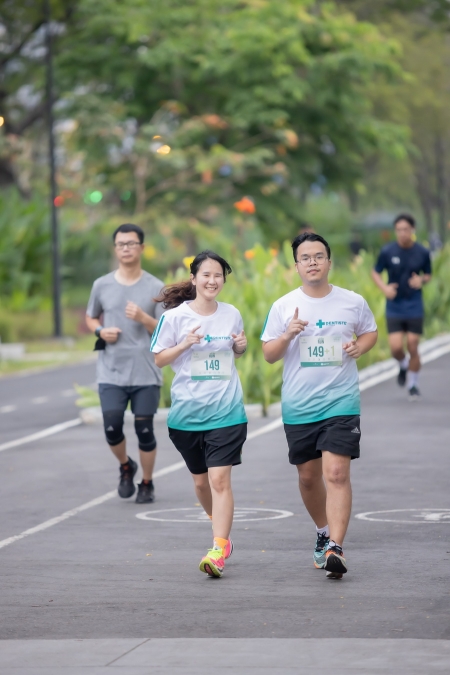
(126, 370)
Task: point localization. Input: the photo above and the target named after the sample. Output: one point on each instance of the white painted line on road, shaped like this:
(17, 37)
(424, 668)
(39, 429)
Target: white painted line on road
(197, 515)
(410, 516)
(68, 392)
(39, 399)
(8, 408)
(109, 495)
(79, 509)
(41, 434)
(265, 429)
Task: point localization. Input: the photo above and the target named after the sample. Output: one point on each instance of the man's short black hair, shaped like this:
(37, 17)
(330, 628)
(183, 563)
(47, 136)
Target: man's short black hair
(129, 227)
(309, 236)
(405, 216)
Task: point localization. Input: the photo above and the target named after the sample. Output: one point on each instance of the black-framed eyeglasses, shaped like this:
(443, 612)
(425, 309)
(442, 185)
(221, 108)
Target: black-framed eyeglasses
(305, 260)
(128, 244)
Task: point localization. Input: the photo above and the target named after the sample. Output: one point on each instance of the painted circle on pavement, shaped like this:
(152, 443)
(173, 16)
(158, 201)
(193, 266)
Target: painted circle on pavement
(197, 515)
(410, 516)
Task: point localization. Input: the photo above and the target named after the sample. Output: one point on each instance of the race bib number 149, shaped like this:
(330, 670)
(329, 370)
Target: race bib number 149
(316, 352)
(211, 365)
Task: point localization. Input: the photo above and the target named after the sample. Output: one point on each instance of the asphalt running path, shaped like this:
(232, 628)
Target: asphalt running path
(33, 402)
(106, 574)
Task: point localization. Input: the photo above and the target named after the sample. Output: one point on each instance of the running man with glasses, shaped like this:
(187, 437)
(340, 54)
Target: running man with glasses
(126, 369)
(320, 330)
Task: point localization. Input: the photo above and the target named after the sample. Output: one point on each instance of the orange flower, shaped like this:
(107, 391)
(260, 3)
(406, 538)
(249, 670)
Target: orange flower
(273, 251)
(245, 205)
(248, 255)
(207, 176)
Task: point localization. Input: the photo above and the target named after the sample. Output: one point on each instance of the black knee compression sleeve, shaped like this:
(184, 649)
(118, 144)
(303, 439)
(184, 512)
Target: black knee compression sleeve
(144, 432)
(113, 422)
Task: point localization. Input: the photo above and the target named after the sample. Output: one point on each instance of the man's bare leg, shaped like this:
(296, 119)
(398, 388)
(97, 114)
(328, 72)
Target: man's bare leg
(336, 471)
(313, 491)
(147, 463)
(120, 451)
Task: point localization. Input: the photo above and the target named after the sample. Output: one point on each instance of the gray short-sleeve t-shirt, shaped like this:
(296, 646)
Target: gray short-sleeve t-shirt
(128, 362)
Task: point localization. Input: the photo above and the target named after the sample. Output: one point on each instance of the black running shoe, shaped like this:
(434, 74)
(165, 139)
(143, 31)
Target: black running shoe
(401, 377)
(127, 472)
(413, 394)
(146, 493)
(335, 562)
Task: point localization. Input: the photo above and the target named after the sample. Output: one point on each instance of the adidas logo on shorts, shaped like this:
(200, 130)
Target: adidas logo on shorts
(355, 431)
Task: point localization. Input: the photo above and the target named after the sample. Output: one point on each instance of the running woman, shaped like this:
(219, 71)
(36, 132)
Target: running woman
(126, 370)
(313, 329)
(408, 265)
(201, 338)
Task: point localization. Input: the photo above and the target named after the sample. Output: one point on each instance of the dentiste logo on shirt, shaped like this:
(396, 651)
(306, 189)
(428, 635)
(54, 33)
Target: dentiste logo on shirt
(209, 338)
(321, 323)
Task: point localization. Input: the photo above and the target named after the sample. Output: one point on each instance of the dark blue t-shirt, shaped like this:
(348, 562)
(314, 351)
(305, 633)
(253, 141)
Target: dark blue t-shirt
(400, 263)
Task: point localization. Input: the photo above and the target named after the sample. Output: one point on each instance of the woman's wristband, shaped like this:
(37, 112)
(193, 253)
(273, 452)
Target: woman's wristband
(243, 351)
(98, 330)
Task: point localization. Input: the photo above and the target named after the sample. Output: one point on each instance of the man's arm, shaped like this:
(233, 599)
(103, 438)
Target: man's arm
(362, 344)
(133, 311)
(274, 350)
(389, 290)
(417, 281)
(110, 335)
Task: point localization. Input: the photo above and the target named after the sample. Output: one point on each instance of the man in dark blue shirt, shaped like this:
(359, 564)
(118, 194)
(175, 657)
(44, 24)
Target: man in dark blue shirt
(408, 265)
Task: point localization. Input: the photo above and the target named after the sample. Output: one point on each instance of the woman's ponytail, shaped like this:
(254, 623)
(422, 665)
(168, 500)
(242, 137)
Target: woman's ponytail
(175, 294)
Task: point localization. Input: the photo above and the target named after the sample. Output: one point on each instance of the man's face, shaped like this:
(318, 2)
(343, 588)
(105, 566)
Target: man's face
(312, 263)
(128, 248)
(404, 233)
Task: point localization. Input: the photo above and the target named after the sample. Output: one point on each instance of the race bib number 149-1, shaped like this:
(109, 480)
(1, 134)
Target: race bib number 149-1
(316, 352)
(211, 365)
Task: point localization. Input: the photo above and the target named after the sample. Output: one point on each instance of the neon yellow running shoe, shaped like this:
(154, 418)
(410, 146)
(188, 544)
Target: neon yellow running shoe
(213, 563)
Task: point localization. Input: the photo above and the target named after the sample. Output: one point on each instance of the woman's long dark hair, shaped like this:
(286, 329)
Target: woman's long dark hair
(175, 294)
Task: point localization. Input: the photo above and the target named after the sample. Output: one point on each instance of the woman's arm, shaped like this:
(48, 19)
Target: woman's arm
(169, 355)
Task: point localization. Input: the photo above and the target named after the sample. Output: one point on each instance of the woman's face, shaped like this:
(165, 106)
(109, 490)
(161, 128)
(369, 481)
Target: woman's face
(209, 279)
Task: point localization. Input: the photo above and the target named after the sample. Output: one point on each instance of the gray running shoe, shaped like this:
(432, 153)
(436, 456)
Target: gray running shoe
(413, 394)
(319, 556)
(127, 473)
(401, 377)
(146, 493)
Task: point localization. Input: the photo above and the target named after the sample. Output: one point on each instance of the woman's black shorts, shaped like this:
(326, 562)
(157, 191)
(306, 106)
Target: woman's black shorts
(204, 449)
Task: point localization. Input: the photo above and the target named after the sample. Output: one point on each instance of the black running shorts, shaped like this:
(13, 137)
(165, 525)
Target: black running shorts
(340, 435)
(405, 325)
(204, 449)
(144, 400)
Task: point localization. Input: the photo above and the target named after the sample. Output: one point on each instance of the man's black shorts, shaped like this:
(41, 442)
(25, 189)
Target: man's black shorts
(404, 325)
(144, 400)
(339, 435)
(204, 449)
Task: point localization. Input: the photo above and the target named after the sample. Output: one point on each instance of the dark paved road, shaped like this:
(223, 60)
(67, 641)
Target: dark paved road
(107, 574)
(39, 400)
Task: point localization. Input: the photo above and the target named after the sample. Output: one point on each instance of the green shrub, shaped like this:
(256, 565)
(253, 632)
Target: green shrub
(7, 332)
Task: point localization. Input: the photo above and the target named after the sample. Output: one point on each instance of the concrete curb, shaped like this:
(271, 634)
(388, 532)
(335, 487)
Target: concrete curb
(368, 377)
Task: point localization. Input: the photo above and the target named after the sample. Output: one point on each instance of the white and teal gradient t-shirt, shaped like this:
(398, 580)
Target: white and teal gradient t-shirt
(314, 394)
(206, 404)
